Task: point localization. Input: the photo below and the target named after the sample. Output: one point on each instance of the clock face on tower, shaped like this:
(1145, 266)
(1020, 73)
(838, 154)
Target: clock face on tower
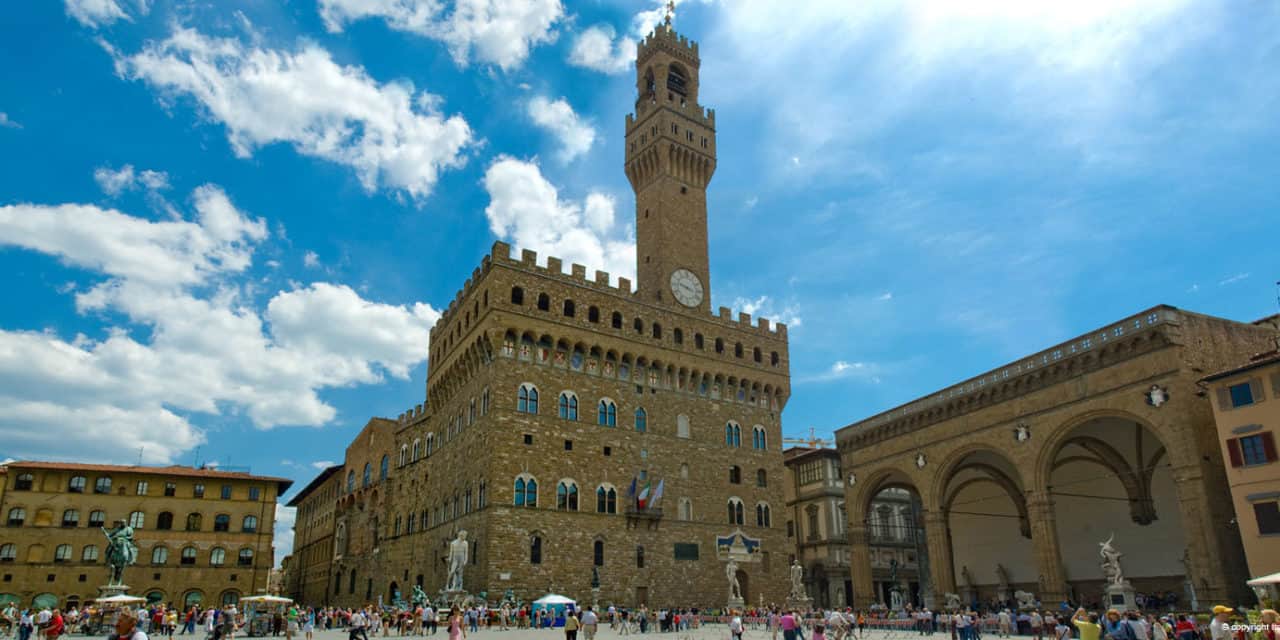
(686, 287)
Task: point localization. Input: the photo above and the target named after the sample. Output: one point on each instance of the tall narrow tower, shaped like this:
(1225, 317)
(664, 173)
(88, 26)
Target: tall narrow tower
(671, 156)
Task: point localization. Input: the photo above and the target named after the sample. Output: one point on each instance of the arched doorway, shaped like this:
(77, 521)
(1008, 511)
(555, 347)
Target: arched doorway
(984, 504)
(192, 598)
(897, 548)
(1117, 471)
(393, 592)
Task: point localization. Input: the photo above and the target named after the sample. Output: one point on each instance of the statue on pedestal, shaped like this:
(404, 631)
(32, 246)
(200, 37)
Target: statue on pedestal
(731, 573)
(1111, 562)
(121, 551)
(797, 580)
(419, 596)
(1026, 600)
(953, 601)
(458, 556)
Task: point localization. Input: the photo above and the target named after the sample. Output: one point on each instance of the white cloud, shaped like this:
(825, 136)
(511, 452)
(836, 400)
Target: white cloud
(842, 369)
(322, 464)
(525, 209)
(752, 202)
(95, 13)
(194, 343)
(311, 260)
(596, 47)
(765, 307)
(7, 123)
(1233, 279)
(886, 296)
(389, 134)
(556, 116)
(500, 32)
(113, 182)
(283, 538)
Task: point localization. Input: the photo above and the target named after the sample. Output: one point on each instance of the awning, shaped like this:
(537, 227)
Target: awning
(1265, 580)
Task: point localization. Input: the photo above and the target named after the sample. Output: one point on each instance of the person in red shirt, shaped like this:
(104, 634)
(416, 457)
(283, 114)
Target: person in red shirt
(56, 626)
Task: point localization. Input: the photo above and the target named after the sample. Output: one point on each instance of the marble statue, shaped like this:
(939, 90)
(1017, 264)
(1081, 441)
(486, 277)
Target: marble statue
(895, 599)
(458, 556)
(797, 580)
(1111, 562)
(953, 601)
(966, 576)
(731, 573)
(595, 577)
(419, 596)
(1026, 599)
(121, 551)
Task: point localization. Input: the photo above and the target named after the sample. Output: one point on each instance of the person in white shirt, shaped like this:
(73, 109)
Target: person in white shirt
(589, 623)
(127, 627)
(1005, 622)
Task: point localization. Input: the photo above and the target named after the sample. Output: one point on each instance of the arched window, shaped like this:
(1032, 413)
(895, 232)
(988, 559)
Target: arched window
(657, 331)
(417, 450)
(697, 340)
(527, 399)
(638, 324)
(568, 405)
(382, 468)
(89, 554)
(62, 553)
(404, 454)
(735, 511)
(71, 518)
(526, 491)
(351, 481)
(735, 474)
(250, 524)
(217, 557)
(544, 302)
(517, 295)
(164, 521)
(677, 82)
(682, 426)
(159, 555)
(762, 478)
(97, 518)
(684, 471)
(367, 476)
(737, 349)
(642, 420)
(606, 499)
(484, 402)
(686, 509)
(607, 413)
(194, 521)
(76, 485)
(535, 549)
(137, 519)
(755, 354)
(616, 320)
(568, 309)
(639, 557)
(762, 515)
(17, 516)
(758, 438)
(8, 552)
(222, 522)
(188, 555)
(719, 345)
(732, 434)
(245, 557)
(24, 482)
(597, 553)
(102, 485)
(593, 314)
(567, 496)
(773, 358)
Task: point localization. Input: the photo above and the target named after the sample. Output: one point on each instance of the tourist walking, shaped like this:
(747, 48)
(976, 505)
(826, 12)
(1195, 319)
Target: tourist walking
(570, 625)
(456, 629)
(589, 623)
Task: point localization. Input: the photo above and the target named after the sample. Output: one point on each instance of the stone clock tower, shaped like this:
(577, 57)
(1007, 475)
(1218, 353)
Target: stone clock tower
(671, 156)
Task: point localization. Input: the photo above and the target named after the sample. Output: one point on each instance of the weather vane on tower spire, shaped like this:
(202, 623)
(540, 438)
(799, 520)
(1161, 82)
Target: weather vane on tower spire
(671, 11)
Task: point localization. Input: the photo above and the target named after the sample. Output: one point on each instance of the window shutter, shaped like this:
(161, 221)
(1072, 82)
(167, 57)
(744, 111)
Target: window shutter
(1233, 451)
(1255, 386)
(1275, 385)
(1224, 399)
(1269, 446)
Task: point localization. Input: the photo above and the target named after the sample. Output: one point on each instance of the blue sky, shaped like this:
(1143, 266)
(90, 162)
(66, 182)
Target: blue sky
(226, 228)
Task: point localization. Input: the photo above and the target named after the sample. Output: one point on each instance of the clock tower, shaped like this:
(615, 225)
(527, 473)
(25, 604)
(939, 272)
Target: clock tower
(671, 156)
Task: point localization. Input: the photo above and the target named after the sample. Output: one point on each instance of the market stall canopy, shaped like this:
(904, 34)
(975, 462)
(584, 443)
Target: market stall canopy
(1265, 580)
(121, 599)
(554, 598)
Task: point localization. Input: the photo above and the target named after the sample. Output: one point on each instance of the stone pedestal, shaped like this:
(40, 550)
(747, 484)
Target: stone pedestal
(1120, 596)
(595, 598)
(108, 590)
(801, 603)
(967, 597)
(736, 604)
(456, 596)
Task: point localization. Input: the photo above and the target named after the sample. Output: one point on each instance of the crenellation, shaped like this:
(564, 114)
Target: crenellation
(725, 313)
(529, 257)
(744, 318)
(602, 278)
(579, 271)
(624, 284)
(555, 265)
(763, 323)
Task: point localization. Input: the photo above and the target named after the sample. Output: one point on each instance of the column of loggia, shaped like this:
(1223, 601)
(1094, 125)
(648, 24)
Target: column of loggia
(941, 564)
(1052, 580)
(860, 564)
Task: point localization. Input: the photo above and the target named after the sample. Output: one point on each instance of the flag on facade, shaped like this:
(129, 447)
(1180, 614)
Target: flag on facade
(631, 491)
(644, 495)
(657, 495)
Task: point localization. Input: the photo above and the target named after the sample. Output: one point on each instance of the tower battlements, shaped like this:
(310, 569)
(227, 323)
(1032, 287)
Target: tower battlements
(664, 38)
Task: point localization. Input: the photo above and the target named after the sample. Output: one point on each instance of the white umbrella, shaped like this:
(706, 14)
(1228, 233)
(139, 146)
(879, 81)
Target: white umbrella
(1265, 580)
(554, 598)
(267, 599)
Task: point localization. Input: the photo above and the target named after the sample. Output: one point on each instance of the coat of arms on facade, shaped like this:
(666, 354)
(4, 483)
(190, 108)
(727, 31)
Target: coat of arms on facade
(853, 478)
(920, 460)
(1022, 432)
(1157, 395)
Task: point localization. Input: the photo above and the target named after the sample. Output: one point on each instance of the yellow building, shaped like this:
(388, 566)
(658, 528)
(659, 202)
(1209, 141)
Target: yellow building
(1246, 407)
(203, 535)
